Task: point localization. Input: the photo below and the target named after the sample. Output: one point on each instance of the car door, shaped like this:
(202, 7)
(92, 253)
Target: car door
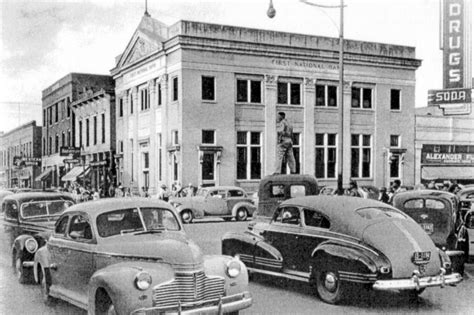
(234, 196)
(215, 202)
(284, 233)
(58, 254)
(80, 243)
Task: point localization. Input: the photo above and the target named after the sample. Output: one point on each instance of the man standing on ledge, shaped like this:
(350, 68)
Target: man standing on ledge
(284, 144)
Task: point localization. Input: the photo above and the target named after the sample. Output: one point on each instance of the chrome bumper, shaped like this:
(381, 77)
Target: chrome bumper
(225, 304)
(416, 282)
(28, 264)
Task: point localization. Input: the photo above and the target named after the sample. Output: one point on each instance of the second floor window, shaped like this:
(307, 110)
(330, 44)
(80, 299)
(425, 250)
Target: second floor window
(361, 155)
(395, 100)
(361, 97)
(394, 141)
(289, 93)
(144, 99)
(87, 132)
(80, 133)
(208, 137)
(249, 151)
(95, 130)
(120, 107)
(208, 88)
(174, 137)
(326, 95)
(175, 89)
(249, 91)
(326, 155)
(103, 127)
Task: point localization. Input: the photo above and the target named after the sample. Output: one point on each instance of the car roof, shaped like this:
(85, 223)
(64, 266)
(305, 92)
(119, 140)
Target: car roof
(424, 193)
(97, 207)
(38, 196)
(223, 187)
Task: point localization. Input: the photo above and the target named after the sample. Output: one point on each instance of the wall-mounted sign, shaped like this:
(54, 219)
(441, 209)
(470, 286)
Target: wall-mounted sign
(451, 96)
(33, 163)
(72, 161)
(98, 163)
(65, 151)
(447, 154)
(453, 44)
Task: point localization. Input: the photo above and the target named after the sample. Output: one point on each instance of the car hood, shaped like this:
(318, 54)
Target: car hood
(398, 240)
(170, 247)
(40, 224)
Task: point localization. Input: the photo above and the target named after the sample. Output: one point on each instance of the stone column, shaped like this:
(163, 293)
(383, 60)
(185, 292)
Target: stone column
(308, 153)
(135, 150)
(270, 136)
(152, 148)
(166, 162)
(346, 145)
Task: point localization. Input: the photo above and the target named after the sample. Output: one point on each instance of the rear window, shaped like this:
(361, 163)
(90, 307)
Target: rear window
(278, 190)
(236, 193)
(423, 203)
(297, 191)
(377, 213)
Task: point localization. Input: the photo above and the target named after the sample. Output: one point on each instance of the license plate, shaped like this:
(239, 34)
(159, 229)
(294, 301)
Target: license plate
(428, 227)
(421, 257)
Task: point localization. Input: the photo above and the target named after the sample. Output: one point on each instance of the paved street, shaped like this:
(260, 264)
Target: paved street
(270, 296)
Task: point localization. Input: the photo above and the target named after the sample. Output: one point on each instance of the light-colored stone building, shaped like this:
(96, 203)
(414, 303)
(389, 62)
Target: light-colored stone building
(197, 103)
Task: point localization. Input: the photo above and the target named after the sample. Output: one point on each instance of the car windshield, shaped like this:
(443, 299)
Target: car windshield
(371, 213)
(44, 208)
(202, 192)
(136, 220)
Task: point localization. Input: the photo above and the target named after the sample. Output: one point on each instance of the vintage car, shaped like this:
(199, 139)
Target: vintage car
(132, 256)
(469, 221)
(365, 191)
(226, 202)
(466, 196)
(338, 242)
(28, 218)
(438, 213)
(274, 189)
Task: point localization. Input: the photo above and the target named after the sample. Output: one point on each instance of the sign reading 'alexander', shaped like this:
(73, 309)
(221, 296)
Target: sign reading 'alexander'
(447, 158)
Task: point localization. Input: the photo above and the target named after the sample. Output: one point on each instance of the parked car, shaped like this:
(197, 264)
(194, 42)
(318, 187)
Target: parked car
(226, 202)
(438, 213)
(336, 242)
(466, 195)
(365, 191)
(28, 218)
(3, 194)
(469, 219)
(132, 256)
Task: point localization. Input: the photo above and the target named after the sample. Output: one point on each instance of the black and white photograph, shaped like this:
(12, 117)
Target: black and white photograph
(236, 157)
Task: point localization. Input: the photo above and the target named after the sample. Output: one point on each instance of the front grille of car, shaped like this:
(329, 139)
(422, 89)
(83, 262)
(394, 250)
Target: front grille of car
(188, 288)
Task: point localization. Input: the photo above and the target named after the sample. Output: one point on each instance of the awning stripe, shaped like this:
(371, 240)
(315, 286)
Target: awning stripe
(44, 175)
(75, 172)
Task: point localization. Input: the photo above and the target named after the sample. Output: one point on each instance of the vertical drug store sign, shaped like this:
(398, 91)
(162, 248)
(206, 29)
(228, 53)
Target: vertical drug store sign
(453, 44)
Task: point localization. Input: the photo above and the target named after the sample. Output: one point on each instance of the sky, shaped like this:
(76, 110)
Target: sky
(43, 40)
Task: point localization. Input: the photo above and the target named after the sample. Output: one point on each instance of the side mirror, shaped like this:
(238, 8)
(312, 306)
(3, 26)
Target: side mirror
(469, 220)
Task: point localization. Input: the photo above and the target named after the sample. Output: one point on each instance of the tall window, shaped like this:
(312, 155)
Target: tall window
(208, 137)
(131, 102)
(249, 150)
(44, 117)
(146, 165)
(289, 93)
(50, 115)
(160, 157)
(69, 138)
(63, 139)
(326, 95)
(87, 132)
(95, 130)
(361, 156)
(144, 99)
(208, 88)
(68, 105)
(44, 146)
(56, 113)
(102, 116)
(285, 169)
(159, 94)
(80, 134)
(326, 155)
(56, 144)
(50, 145)
(131, 160)
(174, 137)
(395, 100)
(395, 160)
(361, 97)
(249, 91)
(121, 107)
(175, 89)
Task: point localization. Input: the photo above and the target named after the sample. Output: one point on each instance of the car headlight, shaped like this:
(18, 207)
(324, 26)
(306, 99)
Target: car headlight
(234, 267)
(31, 245)
(143, 280)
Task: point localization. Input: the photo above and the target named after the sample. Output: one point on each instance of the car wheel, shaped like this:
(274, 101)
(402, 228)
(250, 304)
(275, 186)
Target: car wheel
(20, 272)
(329, 286)
(413, 294)
(105, 306)
(241, 214)
(186, 216)
(43, 279)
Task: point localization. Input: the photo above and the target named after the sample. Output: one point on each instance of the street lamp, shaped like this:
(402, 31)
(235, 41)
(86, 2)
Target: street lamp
(271, 13)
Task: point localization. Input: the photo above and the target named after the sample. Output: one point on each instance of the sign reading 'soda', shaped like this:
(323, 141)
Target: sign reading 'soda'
(453, 44)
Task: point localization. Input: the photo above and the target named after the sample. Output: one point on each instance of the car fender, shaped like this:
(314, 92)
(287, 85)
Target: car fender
(42, 258)
(196, 213)
(19, 245)
(216, 265)
(247, 205)
(118, 280)
(348, 257)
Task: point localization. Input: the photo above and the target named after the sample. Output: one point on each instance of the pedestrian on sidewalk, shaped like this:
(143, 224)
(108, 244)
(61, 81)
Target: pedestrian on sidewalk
(284, 144)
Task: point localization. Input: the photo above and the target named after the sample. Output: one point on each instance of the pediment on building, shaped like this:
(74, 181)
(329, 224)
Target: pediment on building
(141, 48)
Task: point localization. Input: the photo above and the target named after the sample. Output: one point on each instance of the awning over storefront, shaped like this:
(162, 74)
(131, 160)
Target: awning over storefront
(447, 172)
(44, 175)
(74, 173)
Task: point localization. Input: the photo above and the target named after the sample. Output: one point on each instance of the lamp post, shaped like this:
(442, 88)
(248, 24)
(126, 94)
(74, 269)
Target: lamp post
(271, 13)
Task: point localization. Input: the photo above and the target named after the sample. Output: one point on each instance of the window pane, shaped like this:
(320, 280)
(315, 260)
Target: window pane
(296, 138)
(394, 141)
(255, 138)
(355, 140)
(355, 97)
(255, 165)
(331, 172)
(395, 99)
(366, 163)
(282, 93)
(366, 140)
(208, 166)
(332, 96)
(331, 139)
(255, 91)
(241, 137)
(394, 166)
(175, 89)
(208, 88)
(146, 160)
(208, 136)
(320, 95)
(320, 163)
(367, 101)
(296, 153)
(355, 163)
(295, 93)
(242, 91)
(241, 163)
(320, 139)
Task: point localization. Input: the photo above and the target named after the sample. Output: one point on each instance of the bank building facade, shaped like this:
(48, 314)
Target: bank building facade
(197, 103)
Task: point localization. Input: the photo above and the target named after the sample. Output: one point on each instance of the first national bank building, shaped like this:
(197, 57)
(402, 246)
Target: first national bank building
(197, 103)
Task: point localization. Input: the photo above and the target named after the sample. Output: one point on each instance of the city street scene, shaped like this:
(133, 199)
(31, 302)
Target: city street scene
(226, 157)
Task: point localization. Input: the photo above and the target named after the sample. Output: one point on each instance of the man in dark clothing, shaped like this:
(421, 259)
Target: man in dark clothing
(383, 196)
(284, 144)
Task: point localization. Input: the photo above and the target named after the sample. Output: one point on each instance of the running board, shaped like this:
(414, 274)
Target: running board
(293, 275)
